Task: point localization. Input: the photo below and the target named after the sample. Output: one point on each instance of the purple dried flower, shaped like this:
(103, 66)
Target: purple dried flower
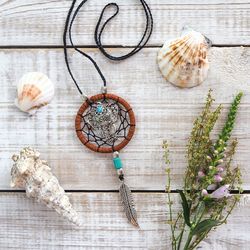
(212, 187)
(221, 192)
(201, 174)
(204, 192)
(218, 178)
(220, 169)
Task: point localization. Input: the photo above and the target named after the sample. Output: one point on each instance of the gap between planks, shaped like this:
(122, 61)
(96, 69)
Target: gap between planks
(106, 46)
(174, 191)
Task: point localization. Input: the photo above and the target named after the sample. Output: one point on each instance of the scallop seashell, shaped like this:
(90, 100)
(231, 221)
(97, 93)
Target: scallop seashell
(34, 90)
(34, 174)
(183, 61)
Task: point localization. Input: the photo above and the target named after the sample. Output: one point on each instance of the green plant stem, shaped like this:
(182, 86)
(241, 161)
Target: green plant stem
(230, 211)
(168, 189)
(177, 219)
(180, 237)
(171, 216)
(189, 239)
(197, 242)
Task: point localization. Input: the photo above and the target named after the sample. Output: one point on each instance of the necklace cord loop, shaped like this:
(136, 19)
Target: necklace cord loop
(98, 37)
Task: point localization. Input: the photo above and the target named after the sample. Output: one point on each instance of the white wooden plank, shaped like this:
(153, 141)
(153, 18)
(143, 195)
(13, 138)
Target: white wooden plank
(34, 22)
(162, 112)
(28, 225)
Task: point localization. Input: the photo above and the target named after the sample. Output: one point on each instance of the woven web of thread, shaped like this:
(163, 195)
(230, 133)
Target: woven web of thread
(122, 125)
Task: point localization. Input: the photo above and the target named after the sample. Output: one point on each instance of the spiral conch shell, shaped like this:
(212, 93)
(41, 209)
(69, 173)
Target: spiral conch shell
(183, 61)
(34, 174)
(34, 90)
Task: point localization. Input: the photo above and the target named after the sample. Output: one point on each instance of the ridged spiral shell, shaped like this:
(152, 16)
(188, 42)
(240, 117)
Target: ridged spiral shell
(184, 61)
(34, 90)
(34, 174)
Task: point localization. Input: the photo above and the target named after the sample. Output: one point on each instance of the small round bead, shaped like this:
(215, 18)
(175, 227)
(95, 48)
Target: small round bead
(120, 171)
(115, 154)
(121, 177)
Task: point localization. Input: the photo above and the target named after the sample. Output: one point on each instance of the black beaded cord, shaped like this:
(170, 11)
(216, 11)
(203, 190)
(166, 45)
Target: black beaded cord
(98, 37)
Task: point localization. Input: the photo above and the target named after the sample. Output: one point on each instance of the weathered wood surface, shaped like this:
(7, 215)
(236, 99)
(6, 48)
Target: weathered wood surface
(162, 112)
(33, 22)
(28, 225)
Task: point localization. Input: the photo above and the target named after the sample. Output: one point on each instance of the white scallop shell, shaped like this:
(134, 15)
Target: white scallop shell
(183, 61)
(34, 90)
(34, 174)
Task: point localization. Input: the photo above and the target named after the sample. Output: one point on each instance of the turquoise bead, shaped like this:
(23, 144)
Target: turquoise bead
(117, 163)
(99, 109)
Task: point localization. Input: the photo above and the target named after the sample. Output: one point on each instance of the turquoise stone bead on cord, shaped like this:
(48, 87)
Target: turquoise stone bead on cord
(99, 109)
(117, 162)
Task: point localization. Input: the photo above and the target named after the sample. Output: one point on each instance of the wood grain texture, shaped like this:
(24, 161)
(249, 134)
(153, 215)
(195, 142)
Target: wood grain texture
(33, 22)
(28, 225)
(162, 112)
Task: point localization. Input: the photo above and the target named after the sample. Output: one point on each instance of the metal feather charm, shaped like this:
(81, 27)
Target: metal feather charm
(125, 193)
(128, 204)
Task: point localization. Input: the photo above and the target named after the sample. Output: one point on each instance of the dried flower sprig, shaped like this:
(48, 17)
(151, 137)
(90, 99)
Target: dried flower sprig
(206, 198)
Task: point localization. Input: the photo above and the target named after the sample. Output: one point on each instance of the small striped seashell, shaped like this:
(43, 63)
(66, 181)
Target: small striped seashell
(183, 61)
(34, 90)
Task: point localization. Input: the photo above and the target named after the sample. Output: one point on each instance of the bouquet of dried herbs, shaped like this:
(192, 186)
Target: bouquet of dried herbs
(209, 178)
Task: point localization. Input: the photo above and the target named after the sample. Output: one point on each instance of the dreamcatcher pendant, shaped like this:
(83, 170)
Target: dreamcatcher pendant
(105, 123)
